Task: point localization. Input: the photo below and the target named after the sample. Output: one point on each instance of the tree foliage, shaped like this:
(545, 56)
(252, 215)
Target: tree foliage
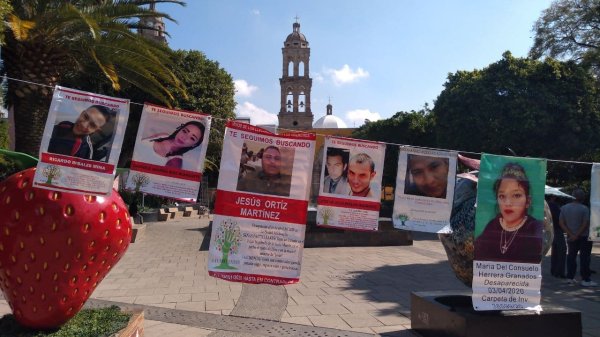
(413, 128)
(569, 29)
(210, 90)
(5, 8)
(544, 109)
(47, 40)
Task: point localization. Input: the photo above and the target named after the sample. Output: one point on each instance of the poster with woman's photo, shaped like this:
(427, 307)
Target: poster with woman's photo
(424, 190)
(261, 205)
(169, 153)
(595, 204)
(508, 233)
(82, 142)
(350, 188)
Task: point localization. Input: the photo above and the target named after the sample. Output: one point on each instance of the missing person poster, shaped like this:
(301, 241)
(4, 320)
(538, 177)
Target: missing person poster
(595, 204)
(424, 190)
(261, 205)
(350, 188)
(169, 153)
(81, 142)
(507, 271)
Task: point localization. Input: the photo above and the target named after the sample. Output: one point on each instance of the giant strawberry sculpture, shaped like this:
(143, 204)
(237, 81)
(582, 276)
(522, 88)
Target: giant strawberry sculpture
(55, 248)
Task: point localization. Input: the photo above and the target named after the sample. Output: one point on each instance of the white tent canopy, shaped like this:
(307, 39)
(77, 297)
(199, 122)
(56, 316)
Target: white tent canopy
(557, 192)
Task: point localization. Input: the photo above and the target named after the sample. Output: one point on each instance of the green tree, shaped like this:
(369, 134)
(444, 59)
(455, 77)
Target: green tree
(5, 8)
(569, 29)
(211, 90)
(545, 109)
(410, 128)
(208, 88)
(45, 41)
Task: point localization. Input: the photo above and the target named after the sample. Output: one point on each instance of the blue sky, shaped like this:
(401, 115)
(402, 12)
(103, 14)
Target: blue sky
(373, 58)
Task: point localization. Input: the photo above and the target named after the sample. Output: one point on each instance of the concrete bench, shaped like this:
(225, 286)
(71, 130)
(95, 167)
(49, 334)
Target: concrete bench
(163, 215)
(174, 212)
(187, 211)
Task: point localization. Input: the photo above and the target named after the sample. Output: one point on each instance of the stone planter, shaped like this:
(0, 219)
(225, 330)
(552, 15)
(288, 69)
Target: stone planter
(150, 216)
(135, 327)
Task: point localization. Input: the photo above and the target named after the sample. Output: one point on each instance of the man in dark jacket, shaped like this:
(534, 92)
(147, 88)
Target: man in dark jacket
(73, 139)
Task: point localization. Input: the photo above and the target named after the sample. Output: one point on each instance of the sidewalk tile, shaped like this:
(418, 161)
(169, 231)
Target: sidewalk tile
(219, 305)
(205, 297)
(329, 321)
(297, 320)
(360, 320)
(307, 299)
(149, 299)
(331, 309)
(302, 310)
(191, 306)
(177, 298)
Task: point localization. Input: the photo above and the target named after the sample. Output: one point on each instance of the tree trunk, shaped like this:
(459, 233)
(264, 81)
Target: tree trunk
(40, 64)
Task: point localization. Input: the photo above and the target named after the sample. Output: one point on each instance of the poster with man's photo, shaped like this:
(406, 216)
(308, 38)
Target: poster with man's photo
(81, 143)
(424, 190)
(169, 153)
(261, 205)
(350, 188)
(595, 204)
(507, 271)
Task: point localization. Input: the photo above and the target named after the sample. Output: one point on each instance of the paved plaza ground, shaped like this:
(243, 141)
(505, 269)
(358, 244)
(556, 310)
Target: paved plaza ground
(344, 291)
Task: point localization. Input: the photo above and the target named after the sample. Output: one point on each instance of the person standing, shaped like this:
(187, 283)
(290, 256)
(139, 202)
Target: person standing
(575, 221)
(559, 246)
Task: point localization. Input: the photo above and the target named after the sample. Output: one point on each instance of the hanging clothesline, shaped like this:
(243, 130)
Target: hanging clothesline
(324, 135)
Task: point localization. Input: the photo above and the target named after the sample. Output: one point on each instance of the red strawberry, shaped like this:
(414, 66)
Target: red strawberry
(55, 248)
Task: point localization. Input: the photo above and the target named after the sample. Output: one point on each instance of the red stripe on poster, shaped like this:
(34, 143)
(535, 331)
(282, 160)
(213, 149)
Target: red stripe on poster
(166, 171)
(84, 164)
(253, 278)
(261, 207)
(107, 98)
(349, 203)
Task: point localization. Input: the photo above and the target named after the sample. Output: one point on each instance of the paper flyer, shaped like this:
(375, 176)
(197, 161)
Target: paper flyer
(261, 205)
(509, 226)
(350, 184)
(169, 153)
(424, 190)
(81, 143)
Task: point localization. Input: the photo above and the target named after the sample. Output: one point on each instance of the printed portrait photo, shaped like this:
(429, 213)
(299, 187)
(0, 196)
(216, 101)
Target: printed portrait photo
(171, 142)
(84, 131)
(335, 174)
(426, 176)
(265, 169)
(509, 225)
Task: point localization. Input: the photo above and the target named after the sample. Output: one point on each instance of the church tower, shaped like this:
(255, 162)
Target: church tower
(158, 34)
(295, 112)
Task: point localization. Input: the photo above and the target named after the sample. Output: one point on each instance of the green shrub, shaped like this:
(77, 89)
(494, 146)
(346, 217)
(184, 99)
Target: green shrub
(87, 323)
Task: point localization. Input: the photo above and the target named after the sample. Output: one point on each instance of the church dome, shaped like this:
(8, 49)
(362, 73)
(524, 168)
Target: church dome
(296, 39)
(329, 122)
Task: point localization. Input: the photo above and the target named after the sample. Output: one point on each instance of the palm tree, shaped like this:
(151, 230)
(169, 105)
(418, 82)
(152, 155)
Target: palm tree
(46, 40)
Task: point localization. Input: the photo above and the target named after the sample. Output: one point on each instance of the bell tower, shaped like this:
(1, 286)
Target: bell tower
(156, 25)
(295, 112)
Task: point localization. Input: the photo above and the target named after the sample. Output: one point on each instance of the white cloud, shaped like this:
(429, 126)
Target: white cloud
(256, 114)
(346, 75)
(243, 89)
(357, 117)
(255, 12)
(318, 77)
